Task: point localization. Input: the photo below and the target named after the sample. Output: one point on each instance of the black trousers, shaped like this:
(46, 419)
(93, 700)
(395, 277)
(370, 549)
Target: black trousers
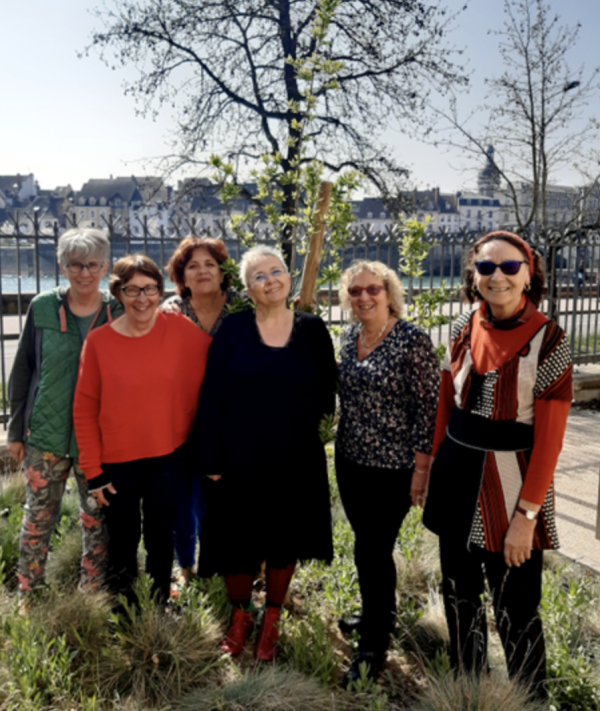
(376, 502)
(516, 595)
(147, 489)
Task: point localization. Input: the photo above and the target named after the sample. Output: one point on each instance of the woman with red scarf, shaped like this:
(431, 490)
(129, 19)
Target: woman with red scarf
(504, 399)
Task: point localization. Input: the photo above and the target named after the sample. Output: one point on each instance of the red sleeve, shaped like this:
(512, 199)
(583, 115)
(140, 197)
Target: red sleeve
(444, 408)
(86, 411)
(550, 423)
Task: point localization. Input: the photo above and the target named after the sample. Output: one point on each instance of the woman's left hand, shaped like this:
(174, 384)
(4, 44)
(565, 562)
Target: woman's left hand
(418, 487)
(519, 541)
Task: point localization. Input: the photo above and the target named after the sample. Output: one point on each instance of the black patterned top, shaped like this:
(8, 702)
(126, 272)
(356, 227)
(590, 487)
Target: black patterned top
(389, 399)
(183, 306)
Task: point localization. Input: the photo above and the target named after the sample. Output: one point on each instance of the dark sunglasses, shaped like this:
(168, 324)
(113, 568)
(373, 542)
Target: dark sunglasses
(510, 268)
(372, 290)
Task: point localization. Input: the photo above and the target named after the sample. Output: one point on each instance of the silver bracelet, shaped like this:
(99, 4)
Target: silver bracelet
(421, 471)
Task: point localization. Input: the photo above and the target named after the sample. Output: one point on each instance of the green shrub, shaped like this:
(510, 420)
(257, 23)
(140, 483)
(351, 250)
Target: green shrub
(570, 648)
(215, 594)
(39, 667)
(306, 647)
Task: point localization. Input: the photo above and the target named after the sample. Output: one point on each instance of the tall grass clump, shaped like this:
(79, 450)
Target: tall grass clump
(269, 690)
(12, 491)
(157, 656)
(427, 638)
(83, 621)
(63, 570)
(462, 693)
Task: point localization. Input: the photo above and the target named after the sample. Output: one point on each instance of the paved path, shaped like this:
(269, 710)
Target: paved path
(576, 485)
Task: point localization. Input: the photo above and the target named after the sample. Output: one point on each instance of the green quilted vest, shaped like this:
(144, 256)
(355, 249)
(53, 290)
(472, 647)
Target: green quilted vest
(51, 424)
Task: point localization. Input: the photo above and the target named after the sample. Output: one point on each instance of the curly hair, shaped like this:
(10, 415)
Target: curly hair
(536, 293)
(183, 253)
(390, 281)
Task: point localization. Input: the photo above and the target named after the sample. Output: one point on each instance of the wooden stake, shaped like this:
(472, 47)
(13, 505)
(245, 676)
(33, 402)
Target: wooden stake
(315, 249)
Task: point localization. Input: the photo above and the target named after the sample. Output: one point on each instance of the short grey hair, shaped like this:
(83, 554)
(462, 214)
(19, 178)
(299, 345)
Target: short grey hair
(85, 242)
(255, 255)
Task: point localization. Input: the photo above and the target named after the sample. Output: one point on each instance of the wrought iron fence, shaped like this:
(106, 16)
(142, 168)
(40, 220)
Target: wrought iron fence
(28, 266)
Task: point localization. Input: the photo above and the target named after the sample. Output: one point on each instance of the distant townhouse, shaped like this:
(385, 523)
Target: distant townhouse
(124, 201)
(16, 193)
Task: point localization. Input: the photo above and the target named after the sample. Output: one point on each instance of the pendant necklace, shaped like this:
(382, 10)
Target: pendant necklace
(362, 340)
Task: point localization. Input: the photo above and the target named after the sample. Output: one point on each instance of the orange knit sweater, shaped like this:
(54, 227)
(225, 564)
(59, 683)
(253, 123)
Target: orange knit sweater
(136, 397)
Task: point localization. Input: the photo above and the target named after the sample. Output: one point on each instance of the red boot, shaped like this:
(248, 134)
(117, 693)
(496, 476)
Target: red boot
(269, 634)
(241, 625)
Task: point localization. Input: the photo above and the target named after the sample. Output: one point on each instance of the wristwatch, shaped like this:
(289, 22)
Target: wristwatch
(529, 515)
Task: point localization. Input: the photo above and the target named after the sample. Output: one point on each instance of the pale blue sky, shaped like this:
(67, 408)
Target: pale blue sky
(66, 120)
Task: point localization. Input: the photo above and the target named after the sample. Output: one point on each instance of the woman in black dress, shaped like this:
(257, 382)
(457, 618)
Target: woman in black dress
(267, 470)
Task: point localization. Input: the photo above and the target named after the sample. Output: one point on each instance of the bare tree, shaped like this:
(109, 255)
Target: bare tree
(229, 69)
(533, 111)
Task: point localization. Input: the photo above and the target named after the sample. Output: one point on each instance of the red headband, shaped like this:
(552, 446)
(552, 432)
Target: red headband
(526, 248)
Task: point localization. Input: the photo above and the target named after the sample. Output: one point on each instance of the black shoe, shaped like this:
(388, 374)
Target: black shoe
(370, 661)
(350, 624)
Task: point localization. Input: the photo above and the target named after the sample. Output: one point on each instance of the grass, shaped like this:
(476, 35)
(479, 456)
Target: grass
(262, 690)
(72, 653)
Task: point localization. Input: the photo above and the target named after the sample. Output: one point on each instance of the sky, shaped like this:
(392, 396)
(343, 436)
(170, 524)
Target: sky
(66, 120)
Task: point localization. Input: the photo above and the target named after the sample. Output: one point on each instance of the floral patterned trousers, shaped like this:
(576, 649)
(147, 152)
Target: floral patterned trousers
(47, 476)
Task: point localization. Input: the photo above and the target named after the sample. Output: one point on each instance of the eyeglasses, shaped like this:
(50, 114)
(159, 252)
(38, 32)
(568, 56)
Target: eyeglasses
(262, 278)
(78, 267)
(372, 290)
(510, 267)
(132, 291)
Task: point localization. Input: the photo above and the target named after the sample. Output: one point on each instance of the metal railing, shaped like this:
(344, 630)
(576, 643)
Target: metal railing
(28, 266)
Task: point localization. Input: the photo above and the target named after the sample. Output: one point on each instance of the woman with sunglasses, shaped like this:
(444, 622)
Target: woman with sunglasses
(504, 400)
(135, 402)
(389, 379)
(267, 481)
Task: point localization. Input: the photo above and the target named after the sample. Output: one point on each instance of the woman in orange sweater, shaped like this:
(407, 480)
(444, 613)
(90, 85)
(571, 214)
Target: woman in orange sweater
(135, 402)
(504, 399)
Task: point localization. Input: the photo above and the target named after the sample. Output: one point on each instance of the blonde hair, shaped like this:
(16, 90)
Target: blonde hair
(388, 277)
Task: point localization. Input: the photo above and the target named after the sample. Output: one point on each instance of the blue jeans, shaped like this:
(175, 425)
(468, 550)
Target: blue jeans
(190, 512)
(147, 489)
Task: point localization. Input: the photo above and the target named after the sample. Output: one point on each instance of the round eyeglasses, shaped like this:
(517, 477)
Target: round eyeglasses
(262, 278)
(78, 267)
(133, 291)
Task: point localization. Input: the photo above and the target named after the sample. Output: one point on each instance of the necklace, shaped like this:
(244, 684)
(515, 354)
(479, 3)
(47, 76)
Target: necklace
(372, 345)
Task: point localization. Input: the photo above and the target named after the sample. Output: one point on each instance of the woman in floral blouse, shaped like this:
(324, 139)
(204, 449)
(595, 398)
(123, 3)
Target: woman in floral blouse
(389, 379)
